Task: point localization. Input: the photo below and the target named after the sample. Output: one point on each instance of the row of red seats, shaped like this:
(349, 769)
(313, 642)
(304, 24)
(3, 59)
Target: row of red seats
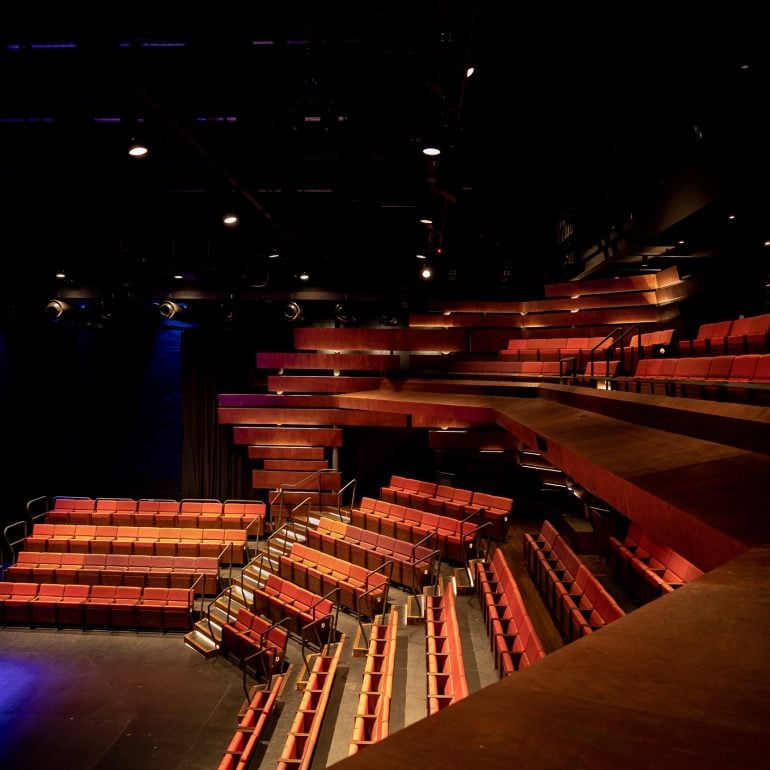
(371, 723)
(738, 336)
(553, 348)
(647, 567)
(548, 370)
(701, 377)
(281, 599)
(450, 501)
(455, 538)
(196, 514)
(447, 682)
(98, 606)
(411, 564)
(577, 600)
(150, 541)
(255, 641)
(297, 753)
(201, 573)
(364, 592)
(514, 641)
(245, 740)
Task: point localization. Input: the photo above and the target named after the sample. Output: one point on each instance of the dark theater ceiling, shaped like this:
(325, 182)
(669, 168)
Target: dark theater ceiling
(308, 121)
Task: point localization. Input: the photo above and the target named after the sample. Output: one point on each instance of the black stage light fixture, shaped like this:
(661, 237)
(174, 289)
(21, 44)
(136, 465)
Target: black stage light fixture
(292, 311)
(56, 308)
(169, 309)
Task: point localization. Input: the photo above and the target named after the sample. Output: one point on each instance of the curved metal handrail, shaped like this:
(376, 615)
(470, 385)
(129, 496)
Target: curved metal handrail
(352, 483)
(11, 543)
(368, 591)
(608, 336)
(297, 485)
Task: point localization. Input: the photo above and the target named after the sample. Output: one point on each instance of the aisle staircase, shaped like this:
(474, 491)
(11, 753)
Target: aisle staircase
(206, 634)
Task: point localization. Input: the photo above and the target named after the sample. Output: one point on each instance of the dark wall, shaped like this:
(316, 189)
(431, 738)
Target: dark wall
(90, 411)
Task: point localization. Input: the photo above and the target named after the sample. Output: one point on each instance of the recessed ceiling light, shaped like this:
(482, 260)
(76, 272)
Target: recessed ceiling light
(432, 151)
(273, 255)
(426, 221)
(426, 272)
(178, 277)
(469, 71)
(420, 256)
(61, 274)
(303, 276)
(744, 66)
(767, 243)
(137, 149)
(732, 216)
(681, 243)
(230, 219)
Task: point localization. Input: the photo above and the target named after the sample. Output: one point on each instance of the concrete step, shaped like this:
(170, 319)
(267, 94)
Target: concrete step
(463, 580)
(201, 642)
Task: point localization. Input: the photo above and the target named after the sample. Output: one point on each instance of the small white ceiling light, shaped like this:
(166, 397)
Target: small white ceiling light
(431, 151)
(230, 219)
(420, 256)
(273, 255)
(427, 272)
(426, 221)
(60, 274)
(303, 276)
(469, 71)
(137, 149)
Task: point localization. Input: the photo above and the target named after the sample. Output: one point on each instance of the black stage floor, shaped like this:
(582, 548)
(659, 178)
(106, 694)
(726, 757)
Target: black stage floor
(112, 701)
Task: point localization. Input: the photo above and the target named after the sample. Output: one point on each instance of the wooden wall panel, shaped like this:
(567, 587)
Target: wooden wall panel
(267, 416)
(331, 361)
(295, 465)
(530, 310)
(501, 309)
(320, 384)
(646, 282)
(479, 440)
(288, 436)
(446, 422)
(286, 452)
(329, 338)
(272, 400)
(274, 479)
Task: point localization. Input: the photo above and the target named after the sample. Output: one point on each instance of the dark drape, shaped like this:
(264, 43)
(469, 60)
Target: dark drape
(212, 466)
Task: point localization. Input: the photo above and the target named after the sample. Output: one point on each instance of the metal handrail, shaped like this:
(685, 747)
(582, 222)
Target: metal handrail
(229, 592)
(35, 516)
(314, 623)
(435, 559)
(307, 501)
(474, 532)
(608, 336)
(479, 539)
(620, 340)
(288, 526)
(297, 485)
(352, 483)
(12, 543)
(265, 652)
(368, 591)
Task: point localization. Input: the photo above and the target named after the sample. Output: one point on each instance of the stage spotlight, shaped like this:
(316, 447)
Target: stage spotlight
(169, 309)
(292, 311)
(345, 314)
(55, 309)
